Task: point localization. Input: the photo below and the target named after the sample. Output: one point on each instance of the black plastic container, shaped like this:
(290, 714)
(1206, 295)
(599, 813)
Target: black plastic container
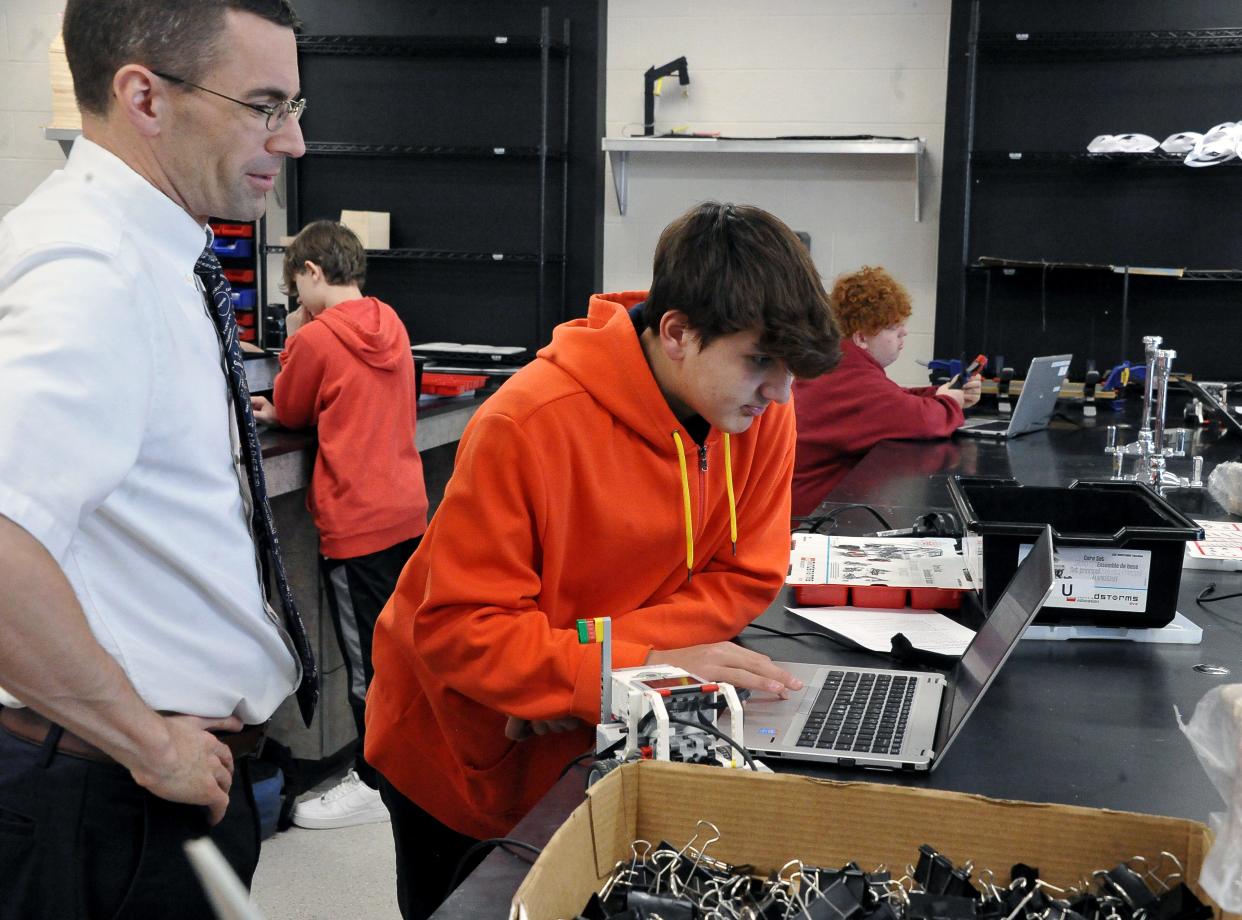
(1105, 515)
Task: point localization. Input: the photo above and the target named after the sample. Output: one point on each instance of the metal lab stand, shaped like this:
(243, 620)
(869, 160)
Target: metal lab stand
(1151, 448)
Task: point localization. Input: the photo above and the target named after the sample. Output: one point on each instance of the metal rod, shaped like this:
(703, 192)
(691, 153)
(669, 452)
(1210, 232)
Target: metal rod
(972, 51)
(1160, 391)
(559, 314)
(544, 40)
(1125, 314)
(1151, 346)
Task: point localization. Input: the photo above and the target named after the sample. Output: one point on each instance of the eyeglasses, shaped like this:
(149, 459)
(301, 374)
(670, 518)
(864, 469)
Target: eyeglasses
(276, 114)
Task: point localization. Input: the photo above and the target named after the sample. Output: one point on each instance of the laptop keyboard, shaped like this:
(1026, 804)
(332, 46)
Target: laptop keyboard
(989, 426)
(860, 713)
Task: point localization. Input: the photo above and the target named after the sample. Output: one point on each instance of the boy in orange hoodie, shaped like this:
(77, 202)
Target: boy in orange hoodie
(347, 369)
(595, 483)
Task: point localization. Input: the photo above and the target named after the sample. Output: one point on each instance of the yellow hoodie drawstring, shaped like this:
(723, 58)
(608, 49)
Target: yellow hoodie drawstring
(685, 499)
(729, 488)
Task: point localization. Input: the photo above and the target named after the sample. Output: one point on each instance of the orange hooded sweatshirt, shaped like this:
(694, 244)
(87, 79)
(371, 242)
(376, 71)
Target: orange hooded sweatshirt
(567, 501)
(350, 372)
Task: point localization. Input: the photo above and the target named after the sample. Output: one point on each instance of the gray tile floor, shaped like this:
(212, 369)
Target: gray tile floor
(346, 873)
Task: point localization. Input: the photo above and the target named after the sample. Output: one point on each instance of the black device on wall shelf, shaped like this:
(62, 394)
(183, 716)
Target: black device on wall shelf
(1029, 87)
(458, 137)
(650, 78)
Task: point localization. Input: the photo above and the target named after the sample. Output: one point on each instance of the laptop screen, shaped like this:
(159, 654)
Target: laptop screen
(996, 638)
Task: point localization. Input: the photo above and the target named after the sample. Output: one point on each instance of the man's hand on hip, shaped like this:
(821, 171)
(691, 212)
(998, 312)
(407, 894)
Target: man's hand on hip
(196, 767)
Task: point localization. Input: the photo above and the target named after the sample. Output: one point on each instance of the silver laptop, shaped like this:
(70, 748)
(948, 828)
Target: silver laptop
(897, 720)
(1035, 404)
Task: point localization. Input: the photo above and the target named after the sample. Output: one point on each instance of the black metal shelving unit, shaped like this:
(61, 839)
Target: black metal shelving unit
(439, 178)
(1041, 241)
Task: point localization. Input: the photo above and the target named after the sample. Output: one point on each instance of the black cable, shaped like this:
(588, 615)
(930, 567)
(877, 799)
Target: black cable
(799, 635)
(818, 521)
(573, 763)
(851, 645)
(1208, 595)
(837, 640)
(713, 730)
(488, 843)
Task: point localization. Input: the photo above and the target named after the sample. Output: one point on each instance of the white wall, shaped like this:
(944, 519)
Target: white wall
(776, 67)
(26, 29)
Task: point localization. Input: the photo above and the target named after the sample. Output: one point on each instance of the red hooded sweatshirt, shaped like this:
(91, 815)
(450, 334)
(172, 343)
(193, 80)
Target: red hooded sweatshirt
(566, 501)
(850, 410)
(349, 372)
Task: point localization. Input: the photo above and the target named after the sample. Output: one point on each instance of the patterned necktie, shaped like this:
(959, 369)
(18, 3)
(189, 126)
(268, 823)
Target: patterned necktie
(261, 525)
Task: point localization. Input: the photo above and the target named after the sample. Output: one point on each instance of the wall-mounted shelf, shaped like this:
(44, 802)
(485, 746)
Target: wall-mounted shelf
(63, 136)
(620, 148)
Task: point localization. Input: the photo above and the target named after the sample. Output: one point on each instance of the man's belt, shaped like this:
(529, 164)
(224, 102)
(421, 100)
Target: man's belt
(30, 726)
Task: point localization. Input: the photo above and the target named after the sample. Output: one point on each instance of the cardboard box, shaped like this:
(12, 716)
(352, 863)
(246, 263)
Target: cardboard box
(767, 819)
(370, 226)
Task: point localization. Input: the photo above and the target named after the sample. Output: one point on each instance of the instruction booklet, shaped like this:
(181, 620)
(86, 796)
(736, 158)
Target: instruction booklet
(895, 562)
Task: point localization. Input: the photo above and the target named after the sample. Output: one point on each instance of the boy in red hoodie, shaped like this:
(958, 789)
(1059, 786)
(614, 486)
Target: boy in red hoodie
(347, 369)
(638, 468)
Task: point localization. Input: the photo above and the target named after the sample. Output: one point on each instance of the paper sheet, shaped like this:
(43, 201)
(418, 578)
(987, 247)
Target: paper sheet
(1220, 548)
(874, 628)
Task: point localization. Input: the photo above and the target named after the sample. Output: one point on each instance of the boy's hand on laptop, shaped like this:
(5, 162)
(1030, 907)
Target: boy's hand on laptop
(725, 661)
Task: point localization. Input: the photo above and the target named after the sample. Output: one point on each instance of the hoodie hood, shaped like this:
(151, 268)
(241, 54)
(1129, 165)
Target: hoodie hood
(367, 331)
(602, 353)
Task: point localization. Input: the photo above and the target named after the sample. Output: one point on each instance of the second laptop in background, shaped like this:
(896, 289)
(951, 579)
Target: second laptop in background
(1035, 403)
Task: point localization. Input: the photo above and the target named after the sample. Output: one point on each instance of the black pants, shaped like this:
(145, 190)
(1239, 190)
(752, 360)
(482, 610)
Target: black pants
(357, 589)
(80, 840)
(428, 855)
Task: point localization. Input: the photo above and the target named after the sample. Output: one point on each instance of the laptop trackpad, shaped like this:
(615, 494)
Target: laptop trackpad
(768, 705)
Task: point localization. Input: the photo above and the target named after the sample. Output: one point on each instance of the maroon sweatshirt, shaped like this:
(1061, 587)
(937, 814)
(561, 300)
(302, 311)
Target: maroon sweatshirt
(849, 410)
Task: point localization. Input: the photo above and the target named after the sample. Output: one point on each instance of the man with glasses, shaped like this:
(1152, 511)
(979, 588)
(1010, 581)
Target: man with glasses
(139, 657)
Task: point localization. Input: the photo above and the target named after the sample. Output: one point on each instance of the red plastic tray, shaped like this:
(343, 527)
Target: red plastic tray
(451, 384)
(878, 596)
(220, 229)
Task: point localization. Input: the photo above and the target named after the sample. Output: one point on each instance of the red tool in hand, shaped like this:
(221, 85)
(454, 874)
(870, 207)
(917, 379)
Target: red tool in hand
(973, 368)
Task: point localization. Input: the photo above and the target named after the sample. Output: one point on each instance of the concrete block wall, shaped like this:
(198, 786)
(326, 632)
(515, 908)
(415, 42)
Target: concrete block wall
(26, 29)
(781, 67)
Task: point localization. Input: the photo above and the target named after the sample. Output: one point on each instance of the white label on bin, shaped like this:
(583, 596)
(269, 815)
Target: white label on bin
(1097, 577)
(972, 552)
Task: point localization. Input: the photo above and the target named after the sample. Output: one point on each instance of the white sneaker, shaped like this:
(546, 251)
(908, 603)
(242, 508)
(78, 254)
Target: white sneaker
(349, 802)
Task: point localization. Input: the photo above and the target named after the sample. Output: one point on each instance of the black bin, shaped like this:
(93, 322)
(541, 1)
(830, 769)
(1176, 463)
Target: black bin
(1105, 515)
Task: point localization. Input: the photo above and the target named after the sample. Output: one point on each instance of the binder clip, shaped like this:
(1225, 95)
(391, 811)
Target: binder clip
(1088, 393)
(1003, 406)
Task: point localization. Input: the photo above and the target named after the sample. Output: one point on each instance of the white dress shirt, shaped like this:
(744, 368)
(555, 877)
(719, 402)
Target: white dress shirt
(115, 449)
